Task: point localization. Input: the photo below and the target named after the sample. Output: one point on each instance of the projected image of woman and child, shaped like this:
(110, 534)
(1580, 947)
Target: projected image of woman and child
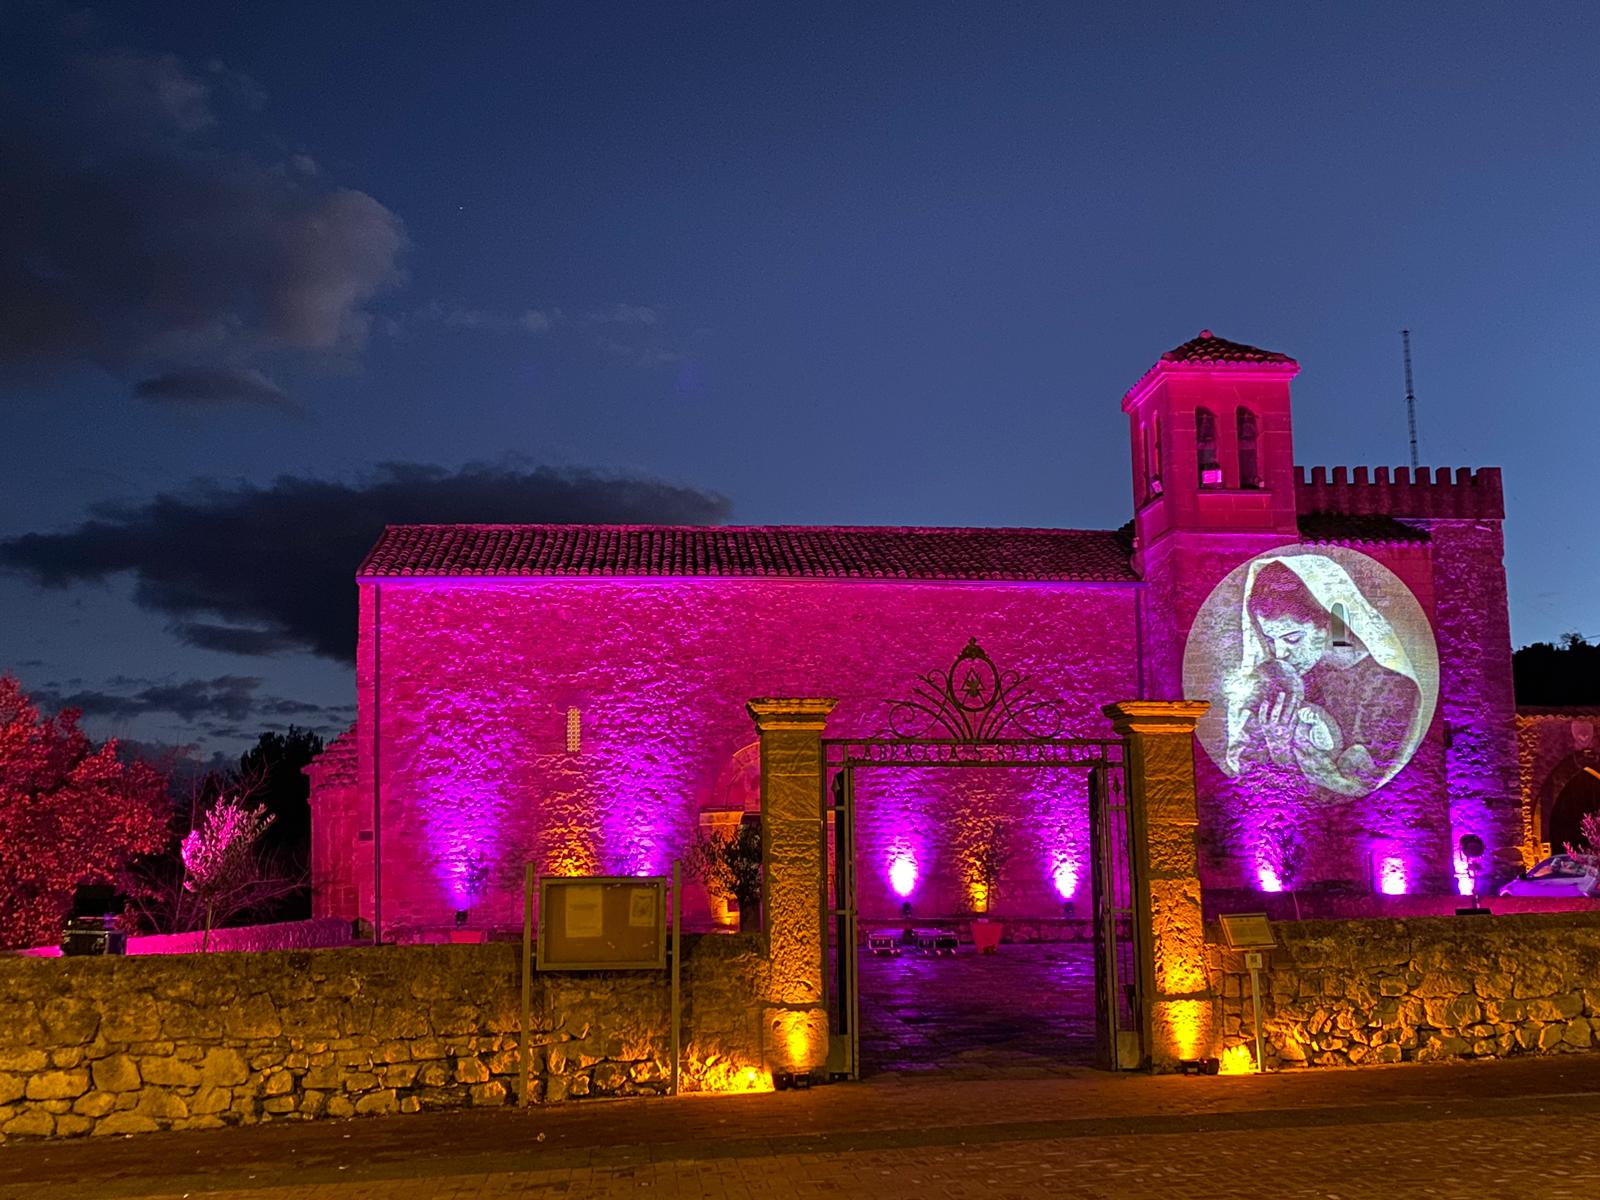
(1307, 675)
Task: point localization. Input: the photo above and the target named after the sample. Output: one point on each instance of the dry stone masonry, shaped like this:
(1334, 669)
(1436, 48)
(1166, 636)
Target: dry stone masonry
(1348, 993)
(132, 1045)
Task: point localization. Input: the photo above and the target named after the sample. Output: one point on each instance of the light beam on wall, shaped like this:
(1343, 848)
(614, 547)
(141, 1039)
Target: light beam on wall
(903, 875)
(1065, 877)
(1392, 876)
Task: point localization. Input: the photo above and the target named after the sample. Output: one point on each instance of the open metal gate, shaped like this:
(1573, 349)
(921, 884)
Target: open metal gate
(973, 703)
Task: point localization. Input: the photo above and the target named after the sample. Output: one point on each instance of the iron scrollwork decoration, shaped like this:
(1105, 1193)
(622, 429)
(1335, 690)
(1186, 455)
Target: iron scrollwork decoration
(974, 701)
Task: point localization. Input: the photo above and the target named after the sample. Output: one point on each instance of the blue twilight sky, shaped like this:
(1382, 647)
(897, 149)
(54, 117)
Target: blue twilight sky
(273, 273)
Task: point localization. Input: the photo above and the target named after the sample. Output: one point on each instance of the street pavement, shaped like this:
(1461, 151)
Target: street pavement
(1523, 1127)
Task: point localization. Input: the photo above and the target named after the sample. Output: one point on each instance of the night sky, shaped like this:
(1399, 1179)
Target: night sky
(273, 274)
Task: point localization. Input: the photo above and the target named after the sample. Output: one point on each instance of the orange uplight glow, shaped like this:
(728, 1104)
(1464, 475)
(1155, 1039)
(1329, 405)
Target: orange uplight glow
(1237, 1060)
(716, 1074)
(1188, 1022)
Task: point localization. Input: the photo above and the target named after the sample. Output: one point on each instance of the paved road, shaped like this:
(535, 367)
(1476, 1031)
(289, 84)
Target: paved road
(1484, 1131)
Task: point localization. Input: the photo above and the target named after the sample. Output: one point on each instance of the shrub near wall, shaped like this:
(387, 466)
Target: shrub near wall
(129, 1045)
(1345, 993)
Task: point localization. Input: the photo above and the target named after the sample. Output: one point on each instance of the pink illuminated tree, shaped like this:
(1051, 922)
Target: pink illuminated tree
(70, 812)
(1588, 850)
(219, 859)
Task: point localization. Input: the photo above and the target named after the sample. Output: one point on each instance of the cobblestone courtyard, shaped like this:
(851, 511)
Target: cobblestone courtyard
(1025, 1009)
(1488, 1130)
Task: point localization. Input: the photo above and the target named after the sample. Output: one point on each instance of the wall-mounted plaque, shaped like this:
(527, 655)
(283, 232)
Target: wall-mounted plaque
(1242, 931)
(602, 923)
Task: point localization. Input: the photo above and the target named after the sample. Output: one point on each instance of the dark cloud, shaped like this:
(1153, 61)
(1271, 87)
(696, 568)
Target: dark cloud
(234, 639)
(232, 696)
(236, 699)
(276, 564)
(139, 235)
(213, 387)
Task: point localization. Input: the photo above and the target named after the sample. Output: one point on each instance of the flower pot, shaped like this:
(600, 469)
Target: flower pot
(986, 935)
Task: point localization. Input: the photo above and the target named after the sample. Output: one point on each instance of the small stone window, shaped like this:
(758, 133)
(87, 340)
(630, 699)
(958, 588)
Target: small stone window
(574, 731)
(1205, 444)
(1339, 628)
(1249, 452)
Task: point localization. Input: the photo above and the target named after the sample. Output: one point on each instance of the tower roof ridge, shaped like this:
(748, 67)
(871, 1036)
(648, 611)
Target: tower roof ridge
(1207, 347)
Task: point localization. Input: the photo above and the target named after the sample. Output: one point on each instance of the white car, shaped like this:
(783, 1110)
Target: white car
(1559, 876)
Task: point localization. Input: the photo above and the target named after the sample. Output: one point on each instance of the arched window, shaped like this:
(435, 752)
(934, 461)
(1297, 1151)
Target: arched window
(1339, 628)
(1205, 441)
(1249, 455)
(574, 731)
(1155, 460)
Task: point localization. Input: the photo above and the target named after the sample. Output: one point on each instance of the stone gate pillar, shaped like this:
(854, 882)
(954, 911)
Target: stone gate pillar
(794, 882)
(1179, 1017)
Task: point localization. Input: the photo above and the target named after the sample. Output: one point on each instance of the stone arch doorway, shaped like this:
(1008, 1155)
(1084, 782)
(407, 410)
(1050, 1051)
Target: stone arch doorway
(734, 798)
(1566, 794)
(1579, 797)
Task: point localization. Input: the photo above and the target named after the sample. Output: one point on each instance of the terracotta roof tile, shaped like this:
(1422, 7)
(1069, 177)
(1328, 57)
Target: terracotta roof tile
(1357, 527)
(1209, 348)
(777, 551)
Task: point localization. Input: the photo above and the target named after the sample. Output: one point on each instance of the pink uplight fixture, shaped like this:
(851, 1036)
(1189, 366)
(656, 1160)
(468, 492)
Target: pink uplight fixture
(903, 875)
(1392, 876)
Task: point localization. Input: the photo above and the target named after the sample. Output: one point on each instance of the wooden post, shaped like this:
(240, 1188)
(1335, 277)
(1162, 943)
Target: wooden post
(526, 1051)
(677, 987)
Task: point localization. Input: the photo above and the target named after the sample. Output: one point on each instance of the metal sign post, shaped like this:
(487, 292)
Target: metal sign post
(1253, 960)
(1252, 933)
(525, 1052)
(677, 988)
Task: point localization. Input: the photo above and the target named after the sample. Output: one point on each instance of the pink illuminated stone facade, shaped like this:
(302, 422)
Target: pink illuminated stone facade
(577, 698)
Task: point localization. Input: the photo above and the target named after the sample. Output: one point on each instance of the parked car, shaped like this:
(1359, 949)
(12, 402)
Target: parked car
(1559, 876)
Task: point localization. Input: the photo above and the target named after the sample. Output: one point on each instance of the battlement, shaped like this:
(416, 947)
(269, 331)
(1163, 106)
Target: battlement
(1470, 495)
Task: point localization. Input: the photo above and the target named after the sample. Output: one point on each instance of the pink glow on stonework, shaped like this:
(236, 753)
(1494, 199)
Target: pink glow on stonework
(903, 875)
(1268, 878)
(1392, 876)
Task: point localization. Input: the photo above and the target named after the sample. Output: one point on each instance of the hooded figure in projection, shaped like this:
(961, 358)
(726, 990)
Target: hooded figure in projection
(1324, 686)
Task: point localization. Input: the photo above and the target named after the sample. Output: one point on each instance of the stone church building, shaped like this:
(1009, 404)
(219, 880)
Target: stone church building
(575, 696)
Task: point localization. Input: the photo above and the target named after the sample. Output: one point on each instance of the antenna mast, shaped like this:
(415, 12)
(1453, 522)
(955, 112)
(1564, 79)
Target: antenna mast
(1411, 397)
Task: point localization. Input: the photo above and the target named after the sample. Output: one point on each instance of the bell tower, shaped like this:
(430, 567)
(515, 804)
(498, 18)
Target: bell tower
(1213, 483)
(1212, 443)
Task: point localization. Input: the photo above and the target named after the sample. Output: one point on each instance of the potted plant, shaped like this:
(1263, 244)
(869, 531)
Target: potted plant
(986, 863)
(729, 864)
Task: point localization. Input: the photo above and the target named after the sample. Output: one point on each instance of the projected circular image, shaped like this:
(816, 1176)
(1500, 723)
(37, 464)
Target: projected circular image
(1319, 663)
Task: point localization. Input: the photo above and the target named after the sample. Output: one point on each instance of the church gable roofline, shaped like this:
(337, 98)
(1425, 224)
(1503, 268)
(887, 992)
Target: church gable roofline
(761, 551)
(1206, 353)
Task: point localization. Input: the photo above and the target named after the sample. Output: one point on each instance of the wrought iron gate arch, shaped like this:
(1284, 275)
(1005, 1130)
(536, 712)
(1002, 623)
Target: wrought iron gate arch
(974, 704)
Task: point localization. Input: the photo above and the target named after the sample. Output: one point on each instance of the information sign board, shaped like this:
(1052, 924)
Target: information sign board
(602, 923)
(1242, 931)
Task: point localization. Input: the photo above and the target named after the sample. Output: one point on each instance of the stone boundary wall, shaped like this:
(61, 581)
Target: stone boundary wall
(281, 935)
(1347, 993)
(131, 1045)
